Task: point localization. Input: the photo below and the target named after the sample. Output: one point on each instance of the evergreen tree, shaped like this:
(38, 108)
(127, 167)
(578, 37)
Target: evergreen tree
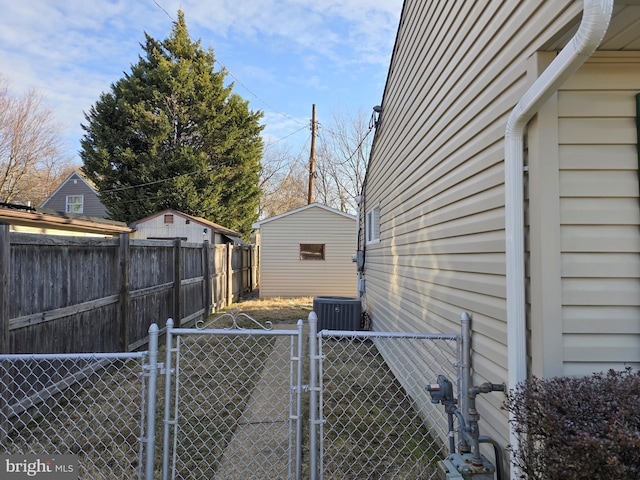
(170, 134)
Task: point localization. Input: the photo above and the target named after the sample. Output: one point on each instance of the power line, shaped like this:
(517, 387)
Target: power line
(358, 147)
(127, 187)
(285, 137)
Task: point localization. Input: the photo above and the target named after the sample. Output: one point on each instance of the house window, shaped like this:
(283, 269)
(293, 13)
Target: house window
(168, 218)
(312, 251)
(372, 225)
(75, 203)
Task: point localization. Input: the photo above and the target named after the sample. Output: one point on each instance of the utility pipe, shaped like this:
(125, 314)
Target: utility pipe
(595, 21)
(465, 367)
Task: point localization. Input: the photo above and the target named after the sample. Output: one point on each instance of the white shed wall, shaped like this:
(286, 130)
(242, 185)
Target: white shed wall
(283, 274)
(156, 228)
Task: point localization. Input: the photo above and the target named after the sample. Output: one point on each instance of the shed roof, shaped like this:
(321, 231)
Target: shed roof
(297, 210)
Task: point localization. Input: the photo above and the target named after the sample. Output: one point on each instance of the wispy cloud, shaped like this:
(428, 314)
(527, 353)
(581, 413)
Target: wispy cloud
(330, 28)
(286, 53)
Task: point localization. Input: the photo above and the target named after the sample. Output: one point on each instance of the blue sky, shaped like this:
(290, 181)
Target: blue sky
(284, 55)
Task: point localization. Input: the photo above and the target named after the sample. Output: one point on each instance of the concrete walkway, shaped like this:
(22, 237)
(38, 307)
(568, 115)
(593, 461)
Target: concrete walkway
(259, 448)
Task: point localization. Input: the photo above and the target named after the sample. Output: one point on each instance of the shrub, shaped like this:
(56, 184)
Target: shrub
(578, 428)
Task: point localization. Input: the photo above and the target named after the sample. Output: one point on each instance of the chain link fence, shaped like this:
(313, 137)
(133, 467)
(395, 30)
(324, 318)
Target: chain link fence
(379, 423)
(237, 404)
(91, 406)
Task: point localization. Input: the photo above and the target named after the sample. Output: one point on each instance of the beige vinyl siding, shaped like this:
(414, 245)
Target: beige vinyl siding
(600, 238)
(437, 173)
(284, 274)
(584, 236)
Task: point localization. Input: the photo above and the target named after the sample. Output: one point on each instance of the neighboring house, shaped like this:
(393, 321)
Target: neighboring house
(76, 195)
(171, 224)
(26, 219)
(307, 252)
(531, 225)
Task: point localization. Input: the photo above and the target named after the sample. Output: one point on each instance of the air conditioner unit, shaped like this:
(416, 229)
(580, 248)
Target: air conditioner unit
(338, 313)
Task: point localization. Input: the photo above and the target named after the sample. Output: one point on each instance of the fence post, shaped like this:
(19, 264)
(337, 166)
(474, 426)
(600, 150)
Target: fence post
(206, 278)
(167, 401)
(151, 401)
(229, 274)
(217, 285)
(299, 376)
(125, 267)
(250, 268)
(240, 270)
(177, 281)
(5, 271)
(255, 260)
(313, 396)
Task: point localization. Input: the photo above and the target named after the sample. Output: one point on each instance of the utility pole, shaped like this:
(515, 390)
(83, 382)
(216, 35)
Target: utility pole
(312, 155)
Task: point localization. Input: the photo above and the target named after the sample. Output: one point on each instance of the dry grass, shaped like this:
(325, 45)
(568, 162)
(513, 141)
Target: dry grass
(276, 310)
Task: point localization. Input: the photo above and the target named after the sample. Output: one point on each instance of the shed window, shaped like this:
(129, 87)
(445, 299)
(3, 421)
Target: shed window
(372, 225)
(312, 251)
(168, 218)
(75, 203)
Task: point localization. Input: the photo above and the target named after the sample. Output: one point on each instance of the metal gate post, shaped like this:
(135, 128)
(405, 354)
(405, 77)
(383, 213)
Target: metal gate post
(167, 401)
(151, 401)
(300, 344)
(313, 396)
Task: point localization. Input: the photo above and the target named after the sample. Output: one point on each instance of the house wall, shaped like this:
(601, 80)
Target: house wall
(437, 174)
(55, 231)
(584, 217)
(283, 274)
(75, 185)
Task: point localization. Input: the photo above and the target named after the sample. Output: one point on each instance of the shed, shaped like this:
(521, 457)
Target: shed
(308, 252)
(170, 224)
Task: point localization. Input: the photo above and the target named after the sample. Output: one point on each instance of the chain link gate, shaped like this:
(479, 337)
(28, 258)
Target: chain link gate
(233, 403)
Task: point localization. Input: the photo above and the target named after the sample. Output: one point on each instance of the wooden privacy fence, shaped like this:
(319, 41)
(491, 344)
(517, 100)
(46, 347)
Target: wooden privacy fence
(79, 294)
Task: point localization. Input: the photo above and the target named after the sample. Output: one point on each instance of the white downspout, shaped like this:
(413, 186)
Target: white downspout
(595, 21)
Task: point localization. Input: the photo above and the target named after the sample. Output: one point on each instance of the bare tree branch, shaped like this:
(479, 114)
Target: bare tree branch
(31, 153)
(283, 182)
(342, 159)
(342, 152)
